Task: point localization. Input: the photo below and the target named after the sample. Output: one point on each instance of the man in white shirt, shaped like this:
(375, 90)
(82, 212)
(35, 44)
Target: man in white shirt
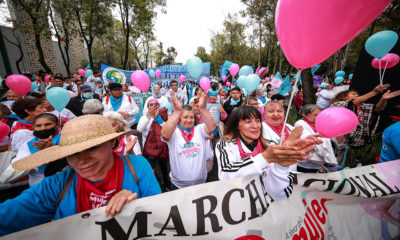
(120, 102)
(179, 93)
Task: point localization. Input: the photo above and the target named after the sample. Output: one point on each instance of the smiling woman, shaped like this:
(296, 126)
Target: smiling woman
(186, 142)
(97, 177)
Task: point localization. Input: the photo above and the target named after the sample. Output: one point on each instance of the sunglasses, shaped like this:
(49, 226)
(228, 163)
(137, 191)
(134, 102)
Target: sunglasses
(153, 104)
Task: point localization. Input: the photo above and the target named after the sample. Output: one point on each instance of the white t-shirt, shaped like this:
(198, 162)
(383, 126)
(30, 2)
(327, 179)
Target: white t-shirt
(188, 160)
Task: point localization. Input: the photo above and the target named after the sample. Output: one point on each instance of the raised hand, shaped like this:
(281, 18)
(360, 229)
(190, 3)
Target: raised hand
(130, 144)
(203, 100)
(388, 94)
(175, 102)
(285, 155)
(380, 88)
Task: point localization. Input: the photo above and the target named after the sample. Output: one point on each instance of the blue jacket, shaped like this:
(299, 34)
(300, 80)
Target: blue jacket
(37, 205)
(391, 143)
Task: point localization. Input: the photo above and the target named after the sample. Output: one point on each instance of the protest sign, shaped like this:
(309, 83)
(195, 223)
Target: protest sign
(359, 203)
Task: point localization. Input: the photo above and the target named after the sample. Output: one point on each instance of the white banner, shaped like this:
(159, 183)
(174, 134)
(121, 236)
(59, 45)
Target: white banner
(359, 203)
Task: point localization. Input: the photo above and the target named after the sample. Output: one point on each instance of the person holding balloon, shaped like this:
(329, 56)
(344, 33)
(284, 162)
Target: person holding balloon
(366, 112)
(47, 133)
(244, 152)
(186, 142)
(323, 153)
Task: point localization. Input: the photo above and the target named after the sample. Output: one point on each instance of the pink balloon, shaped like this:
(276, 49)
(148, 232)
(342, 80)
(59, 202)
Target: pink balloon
(205, 83)
(224, 78)
(141, 80)
(228, 84)
(348, 82)
(390, 59)
(335, 121)
(268, 79)
(310, 41)
(81, 72)
(182, 78)
(19, 84)
(47, 78)
(158, 72)
(4, 130)
(234, 69)
(72, 94)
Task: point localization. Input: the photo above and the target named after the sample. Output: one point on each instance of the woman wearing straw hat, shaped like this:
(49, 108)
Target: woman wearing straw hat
(97, 177)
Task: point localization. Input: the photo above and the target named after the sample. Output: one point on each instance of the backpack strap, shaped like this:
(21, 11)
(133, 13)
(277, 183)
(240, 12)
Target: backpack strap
(128, 161)
(107, 99)
(65, 189)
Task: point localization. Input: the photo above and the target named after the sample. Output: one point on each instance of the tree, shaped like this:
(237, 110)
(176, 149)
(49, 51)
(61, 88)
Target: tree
(37, 11)
(138, 14)
(18, 44)
(159, 55)
(202, 54)
(169, 59)
(63, 22)
(94, 19)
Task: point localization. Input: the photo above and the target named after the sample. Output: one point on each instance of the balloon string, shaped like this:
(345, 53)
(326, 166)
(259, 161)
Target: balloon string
(380, 74)
(288, 109)
(383, 74)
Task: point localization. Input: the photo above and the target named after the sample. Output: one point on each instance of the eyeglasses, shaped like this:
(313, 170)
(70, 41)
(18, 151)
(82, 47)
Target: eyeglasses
(153, 104)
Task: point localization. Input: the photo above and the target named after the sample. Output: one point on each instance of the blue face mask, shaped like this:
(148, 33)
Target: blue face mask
(265, 94)
(88, 95)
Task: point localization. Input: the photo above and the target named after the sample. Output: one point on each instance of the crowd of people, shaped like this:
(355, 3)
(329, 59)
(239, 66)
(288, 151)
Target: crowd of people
(93, 153)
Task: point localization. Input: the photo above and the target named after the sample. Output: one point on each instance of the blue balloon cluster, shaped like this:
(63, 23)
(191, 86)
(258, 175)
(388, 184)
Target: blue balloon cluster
(152, 74)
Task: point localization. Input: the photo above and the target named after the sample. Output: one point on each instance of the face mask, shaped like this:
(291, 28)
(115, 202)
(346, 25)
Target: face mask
(43, 134)
(88, 95)
(265, 94)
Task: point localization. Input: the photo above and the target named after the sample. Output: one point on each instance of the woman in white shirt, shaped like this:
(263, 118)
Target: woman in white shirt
(186, 141)
(323, 153)
(272, 126)
(243, 152)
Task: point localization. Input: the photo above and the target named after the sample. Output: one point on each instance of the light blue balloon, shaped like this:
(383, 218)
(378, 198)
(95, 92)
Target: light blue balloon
(194, 66)
(252, 82)
(152, 73)
(380, 43)
(88, 73)
(241, 82)
(245, 70)
(351, 76)
(338, 80)
(166, 105)
(340, 73)
(324, 85)
(34, 86)
(58, 98)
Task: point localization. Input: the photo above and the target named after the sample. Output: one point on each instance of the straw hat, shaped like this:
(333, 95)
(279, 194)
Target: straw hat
(78, 134)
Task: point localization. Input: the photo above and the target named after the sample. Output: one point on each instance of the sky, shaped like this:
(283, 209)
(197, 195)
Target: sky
(188, 24)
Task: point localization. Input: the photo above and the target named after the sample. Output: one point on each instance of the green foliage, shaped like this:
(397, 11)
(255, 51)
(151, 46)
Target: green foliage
(202, 54)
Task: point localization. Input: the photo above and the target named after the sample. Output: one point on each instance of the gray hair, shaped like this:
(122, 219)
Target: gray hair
(156, 86)
(92, 106)
(187, 107)
(118, 117)
(259, 90)
(309, 108)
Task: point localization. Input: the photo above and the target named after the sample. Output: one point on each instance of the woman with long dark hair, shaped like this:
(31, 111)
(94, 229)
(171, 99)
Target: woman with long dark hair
(243, 151)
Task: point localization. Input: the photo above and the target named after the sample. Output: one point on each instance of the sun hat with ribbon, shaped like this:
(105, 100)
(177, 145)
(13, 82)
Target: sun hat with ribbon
(78, 134)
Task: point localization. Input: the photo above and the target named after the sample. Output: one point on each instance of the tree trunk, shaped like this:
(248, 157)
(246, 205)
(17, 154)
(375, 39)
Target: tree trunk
(39, 48)
(308, 90)
(89, 47)
(276, 61)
